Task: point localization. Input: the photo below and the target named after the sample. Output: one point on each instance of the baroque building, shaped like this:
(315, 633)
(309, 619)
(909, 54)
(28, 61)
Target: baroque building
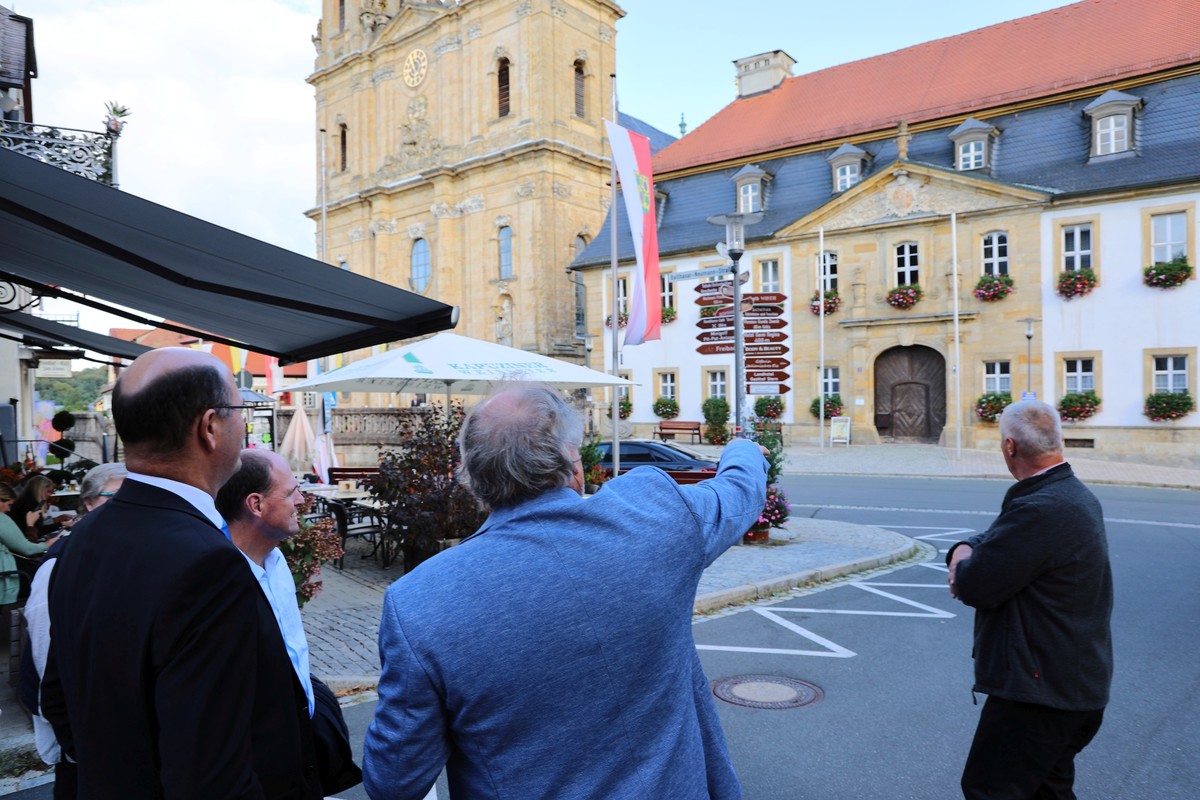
(1005, 157)
(462, 154)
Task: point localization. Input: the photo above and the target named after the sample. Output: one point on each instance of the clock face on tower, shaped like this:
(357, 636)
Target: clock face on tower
(415, 67)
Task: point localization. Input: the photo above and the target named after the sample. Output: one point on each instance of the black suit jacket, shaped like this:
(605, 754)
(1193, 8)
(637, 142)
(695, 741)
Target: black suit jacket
(168, 676)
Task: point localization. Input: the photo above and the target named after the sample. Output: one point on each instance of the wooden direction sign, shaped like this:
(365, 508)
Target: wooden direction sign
(764, 337)
(768, 388)
(714, 286)
(759, 312)
(765, 349)
(774, 298)
(766, 376)
(717, 349)
(722, 321)
(716, 336)
(715, 299)
(757, 363)
(764, 324)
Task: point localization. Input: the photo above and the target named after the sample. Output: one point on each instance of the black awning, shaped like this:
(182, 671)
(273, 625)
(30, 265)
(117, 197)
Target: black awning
(41, 332)
(61, 230)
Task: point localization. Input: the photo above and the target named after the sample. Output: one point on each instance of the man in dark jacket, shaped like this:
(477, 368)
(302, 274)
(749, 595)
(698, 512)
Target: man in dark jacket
(1040, 582)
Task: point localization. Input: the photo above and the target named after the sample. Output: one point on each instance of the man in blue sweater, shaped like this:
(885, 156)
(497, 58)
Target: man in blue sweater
(1040, 582)
(550, 655)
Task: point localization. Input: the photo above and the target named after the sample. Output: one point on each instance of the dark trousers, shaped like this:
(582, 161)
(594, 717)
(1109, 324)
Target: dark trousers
(66, 780)
(1024, 751)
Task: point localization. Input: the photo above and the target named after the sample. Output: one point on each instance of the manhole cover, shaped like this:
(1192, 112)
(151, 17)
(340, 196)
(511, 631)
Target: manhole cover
(767, 691)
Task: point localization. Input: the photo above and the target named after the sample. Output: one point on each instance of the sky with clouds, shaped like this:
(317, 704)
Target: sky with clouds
(222, 123)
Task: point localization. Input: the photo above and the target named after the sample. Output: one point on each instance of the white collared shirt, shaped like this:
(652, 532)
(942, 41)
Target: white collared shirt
(199, 499)
(276, 581)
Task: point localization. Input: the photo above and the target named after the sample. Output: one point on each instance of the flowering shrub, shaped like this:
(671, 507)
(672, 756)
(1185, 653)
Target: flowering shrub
(1076, 283)
(624, 408)
(833, 406)
(666, 407)
(716, 415)
(993, 288)
(775, 510)
(832, 303)
(597, 475)
(1169, 274)
(622, 320)
(315, 544)
(1166, 406)
(1078, 405)
(904, 297)
(769, 406)
(669, 313)
(989, 407)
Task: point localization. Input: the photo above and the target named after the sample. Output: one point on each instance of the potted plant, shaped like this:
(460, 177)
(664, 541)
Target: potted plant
(423, 506)
(589, 458)
(669, 314)
(315, 544)
(832, 303)
(1076, 406)
(989, 407)
(1168, 274)
(624, 408)
(1076, 283)
(905, 297)
(666, 407)
(768, 406)
(833, 406)
(716, 418)
(622, 320)
(1167, 406)
(994, 288)
(775, 512)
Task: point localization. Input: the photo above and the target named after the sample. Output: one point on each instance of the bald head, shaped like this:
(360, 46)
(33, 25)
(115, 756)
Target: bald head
(519, 443)
(171, 409)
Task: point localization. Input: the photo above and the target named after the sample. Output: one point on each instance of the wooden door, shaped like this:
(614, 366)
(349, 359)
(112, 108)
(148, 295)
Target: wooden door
(910, 394)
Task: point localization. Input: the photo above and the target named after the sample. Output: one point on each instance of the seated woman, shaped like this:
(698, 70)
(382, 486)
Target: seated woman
(28, 510)
(12, 540)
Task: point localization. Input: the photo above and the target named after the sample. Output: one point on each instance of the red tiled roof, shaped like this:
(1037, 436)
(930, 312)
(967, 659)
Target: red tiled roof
(1068, 48)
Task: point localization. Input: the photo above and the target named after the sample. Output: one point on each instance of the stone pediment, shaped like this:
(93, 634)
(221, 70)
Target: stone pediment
(908, 191)
(406, 21)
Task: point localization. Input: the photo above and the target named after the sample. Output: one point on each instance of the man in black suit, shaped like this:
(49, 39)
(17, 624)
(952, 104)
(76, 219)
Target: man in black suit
(168, 677)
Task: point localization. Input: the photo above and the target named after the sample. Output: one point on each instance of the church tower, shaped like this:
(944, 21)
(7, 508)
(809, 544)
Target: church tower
(461, 153)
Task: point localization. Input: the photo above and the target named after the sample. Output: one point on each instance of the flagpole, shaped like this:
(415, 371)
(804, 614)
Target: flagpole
(821, 368)
(957, 346)
(615, 408)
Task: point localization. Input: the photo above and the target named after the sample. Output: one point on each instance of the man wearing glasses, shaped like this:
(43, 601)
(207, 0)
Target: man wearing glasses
(167, 674)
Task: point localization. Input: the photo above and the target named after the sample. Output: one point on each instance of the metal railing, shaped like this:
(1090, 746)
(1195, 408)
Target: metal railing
(86, 153)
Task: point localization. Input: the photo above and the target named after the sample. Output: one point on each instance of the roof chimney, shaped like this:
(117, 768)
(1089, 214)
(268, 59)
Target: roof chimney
(763, 72)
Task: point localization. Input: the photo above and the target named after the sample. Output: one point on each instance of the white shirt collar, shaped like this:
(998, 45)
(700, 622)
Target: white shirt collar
(199, 499)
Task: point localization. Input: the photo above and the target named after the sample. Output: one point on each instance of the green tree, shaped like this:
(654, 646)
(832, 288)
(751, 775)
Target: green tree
(76, 393)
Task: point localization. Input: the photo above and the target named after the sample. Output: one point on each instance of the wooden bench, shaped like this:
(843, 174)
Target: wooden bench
(364, 475)
(769, 426)
(667, 429)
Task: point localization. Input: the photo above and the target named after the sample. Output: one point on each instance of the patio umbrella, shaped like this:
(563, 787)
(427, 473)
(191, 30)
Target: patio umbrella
(453, 364)
(299, 442)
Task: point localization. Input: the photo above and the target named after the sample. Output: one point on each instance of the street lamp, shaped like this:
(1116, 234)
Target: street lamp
(1029, 352)
(735, 246)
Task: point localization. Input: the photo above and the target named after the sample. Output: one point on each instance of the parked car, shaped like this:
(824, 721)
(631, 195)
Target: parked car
(664, 455)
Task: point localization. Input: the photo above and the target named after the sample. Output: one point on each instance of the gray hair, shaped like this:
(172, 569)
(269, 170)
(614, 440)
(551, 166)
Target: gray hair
(1034, 425)
(518, 443)
(93, 483)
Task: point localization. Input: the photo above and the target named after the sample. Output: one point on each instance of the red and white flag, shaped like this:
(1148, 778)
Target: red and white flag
(631, 152)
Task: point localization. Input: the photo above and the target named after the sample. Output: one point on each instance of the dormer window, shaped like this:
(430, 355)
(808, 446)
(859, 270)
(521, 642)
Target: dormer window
(751, 185)
(973, 144)
(849, 163)
(1112, 115)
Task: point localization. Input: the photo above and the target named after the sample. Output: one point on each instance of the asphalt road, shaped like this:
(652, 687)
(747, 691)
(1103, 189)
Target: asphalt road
(894, 661)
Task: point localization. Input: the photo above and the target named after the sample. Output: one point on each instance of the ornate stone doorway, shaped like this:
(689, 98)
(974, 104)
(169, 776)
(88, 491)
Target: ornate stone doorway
(910, 394)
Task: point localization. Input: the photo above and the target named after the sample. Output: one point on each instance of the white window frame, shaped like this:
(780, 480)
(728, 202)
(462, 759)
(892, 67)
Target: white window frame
(420, 273)
(829, 271)
(667, 385)
(623, 296)
(972, 155)
(1170, 374)
(1075, 256)
(997, 377)
(908, 264)
(1112, 133)
(750, 197)
(1168, 236)
(718, 383)
(668, 292)
(848, 175)
(831, 382)
(504, 253)
(995, 253)
(768, 275)
(1079, 375)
